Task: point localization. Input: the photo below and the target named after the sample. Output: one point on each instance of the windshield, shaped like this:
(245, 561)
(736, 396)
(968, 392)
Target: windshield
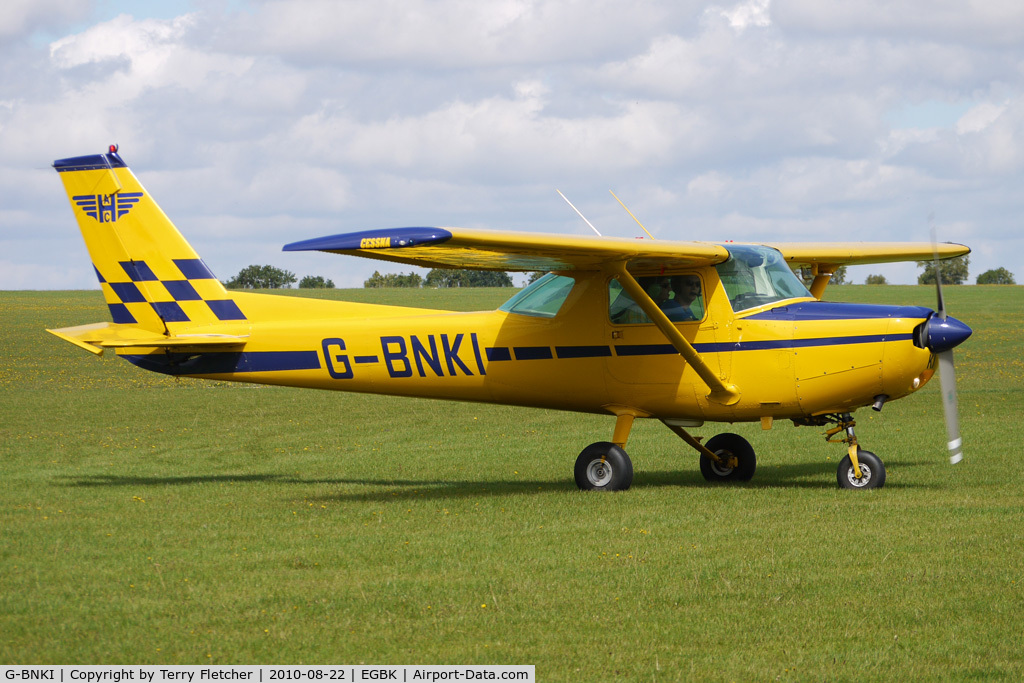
(543, 298)
(755, 276)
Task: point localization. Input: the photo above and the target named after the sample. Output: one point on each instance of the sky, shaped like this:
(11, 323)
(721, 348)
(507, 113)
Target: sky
(255, 123)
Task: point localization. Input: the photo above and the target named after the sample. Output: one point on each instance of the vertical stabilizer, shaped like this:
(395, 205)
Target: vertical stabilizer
(151, 277)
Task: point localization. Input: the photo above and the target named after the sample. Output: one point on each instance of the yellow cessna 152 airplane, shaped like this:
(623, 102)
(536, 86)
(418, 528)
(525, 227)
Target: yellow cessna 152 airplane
(683, 332)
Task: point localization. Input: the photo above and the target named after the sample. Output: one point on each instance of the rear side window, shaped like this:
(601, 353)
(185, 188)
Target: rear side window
(542, 299)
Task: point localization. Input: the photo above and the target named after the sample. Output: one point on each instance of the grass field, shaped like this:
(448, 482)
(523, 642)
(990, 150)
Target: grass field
(153, 520)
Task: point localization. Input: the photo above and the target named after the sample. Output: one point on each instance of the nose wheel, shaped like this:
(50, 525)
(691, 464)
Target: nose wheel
(859, 469)
(872, 472)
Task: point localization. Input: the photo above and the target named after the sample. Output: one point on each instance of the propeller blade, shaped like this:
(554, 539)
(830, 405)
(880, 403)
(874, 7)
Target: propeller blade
(941, 310)
(947, 380)
(947, 372)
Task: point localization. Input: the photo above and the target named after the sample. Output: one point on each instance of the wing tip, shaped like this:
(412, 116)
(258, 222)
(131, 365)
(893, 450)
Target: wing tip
(381, 238)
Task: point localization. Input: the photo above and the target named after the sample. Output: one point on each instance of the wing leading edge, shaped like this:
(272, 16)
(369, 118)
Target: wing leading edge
(513, 251)
(528, 251)
(860, 253)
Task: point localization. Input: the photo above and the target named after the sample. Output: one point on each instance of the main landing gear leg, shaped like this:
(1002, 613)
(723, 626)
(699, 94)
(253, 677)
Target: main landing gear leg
(604, 466)
(726, 458)
(860, 469)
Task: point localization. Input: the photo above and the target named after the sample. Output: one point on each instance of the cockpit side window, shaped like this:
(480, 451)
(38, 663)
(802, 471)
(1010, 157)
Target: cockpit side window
(542, 299)
(754, 276)
(680, 296)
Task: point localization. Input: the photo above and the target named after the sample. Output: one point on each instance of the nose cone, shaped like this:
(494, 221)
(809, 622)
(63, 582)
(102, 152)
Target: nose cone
(944, 335)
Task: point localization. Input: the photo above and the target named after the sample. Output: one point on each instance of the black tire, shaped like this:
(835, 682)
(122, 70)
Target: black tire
(603, 466)
(728, 445)
(871, 468)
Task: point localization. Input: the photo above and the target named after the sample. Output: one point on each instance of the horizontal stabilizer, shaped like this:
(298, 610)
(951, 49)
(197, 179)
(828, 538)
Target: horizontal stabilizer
(96, 337)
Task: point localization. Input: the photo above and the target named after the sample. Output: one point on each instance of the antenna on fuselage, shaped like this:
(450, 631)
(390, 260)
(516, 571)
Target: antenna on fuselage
(578, 212)
(631, 214)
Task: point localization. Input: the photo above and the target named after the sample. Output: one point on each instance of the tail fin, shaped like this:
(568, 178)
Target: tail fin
(151, 277)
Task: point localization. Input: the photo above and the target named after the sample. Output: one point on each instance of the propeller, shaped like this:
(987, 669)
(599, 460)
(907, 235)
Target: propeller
(941, 337)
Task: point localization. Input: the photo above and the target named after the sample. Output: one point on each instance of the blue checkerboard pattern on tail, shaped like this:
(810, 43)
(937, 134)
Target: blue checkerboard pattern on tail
(174, 301)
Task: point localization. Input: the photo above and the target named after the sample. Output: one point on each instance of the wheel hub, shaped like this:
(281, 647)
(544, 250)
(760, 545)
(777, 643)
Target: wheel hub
(599, 472)
(865, 478)
(723, 468)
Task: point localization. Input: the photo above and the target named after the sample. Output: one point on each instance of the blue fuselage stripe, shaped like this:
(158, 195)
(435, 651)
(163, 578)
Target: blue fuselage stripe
(496, 353)
(583, 351)
(763, 345)
(644, 349)
(224, 363)
(805, 343)
(532, 352)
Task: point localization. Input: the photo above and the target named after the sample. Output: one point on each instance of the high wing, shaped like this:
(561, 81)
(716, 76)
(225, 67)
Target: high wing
(514, 251)
(528, 251)
(859, 253)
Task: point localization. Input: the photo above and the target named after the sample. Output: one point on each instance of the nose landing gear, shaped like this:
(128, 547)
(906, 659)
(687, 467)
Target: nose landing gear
(859, 469)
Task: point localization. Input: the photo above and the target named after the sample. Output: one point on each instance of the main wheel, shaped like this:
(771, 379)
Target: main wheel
(603, 466)
(871, 468)
(728, 446)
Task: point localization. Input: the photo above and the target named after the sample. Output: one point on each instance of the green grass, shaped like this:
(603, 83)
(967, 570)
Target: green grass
(145, 519)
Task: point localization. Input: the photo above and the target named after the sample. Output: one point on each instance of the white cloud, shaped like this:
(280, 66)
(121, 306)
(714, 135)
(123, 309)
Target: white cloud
(23, 17)
(454, 34)
(139, 41)
(284, 120)
(979, 22)
(495, 138)
(709, 185)
(979, 118)
(751, 13)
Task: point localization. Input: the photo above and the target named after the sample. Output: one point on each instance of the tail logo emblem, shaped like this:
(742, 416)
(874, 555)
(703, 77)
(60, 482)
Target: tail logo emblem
(107, 208)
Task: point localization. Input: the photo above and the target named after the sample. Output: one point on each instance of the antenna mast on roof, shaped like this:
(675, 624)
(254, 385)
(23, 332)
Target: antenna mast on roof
(578, 213)
(631, 214)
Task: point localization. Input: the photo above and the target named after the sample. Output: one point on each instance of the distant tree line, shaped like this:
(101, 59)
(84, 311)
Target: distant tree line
(996, 276)
(441, 277)
(393, 280)
(953, 271)
(269, 277)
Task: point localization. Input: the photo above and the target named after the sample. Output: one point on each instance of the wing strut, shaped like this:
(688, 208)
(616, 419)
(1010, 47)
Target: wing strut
(822, 276)
(724, 394)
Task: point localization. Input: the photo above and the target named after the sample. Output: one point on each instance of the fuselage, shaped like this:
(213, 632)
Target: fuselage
(794, 358)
